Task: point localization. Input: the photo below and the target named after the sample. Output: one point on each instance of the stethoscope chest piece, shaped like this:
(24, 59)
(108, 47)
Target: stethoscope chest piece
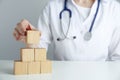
(87, 36)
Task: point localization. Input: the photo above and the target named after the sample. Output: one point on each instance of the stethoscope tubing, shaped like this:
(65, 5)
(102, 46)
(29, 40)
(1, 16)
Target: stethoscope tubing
(92, 24)
(65, 9)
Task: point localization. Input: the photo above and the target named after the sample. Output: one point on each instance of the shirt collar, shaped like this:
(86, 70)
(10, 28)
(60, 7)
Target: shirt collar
(93, 8)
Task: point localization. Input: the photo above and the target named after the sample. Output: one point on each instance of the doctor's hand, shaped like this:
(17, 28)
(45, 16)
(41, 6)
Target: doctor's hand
(20, 30)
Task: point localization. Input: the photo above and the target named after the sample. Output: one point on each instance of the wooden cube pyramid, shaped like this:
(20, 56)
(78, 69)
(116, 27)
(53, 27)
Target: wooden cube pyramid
(33, 60)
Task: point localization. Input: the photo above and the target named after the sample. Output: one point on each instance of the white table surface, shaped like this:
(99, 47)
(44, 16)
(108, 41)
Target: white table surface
(67, 70)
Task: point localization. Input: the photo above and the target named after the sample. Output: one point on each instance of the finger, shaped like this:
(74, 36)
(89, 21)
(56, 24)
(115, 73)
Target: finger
(28, 27)
(20, 29)
(25, 24)
(22, 39)
(16, 35)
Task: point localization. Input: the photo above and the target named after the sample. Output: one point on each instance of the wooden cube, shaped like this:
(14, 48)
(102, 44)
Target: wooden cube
(20, 68)
(40, 54)
(34, 68)
(33, 37)
(27, 55)
(46, 67)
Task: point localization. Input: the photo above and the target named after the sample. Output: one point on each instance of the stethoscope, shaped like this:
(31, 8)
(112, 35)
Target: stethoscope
(87, 35)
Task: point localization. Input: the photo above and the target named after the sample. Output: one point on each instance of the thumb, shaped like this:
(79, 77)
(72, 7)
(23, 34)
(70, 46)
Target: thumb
(28, 28)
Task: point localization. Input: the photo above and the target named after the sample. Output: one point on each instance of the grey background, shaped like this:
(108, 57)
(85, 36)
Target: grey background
(11, 12)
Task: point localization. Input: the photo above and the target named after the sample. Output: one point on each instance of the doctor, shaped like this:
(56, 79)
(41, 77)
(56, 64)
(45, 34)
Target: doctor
(84, 30)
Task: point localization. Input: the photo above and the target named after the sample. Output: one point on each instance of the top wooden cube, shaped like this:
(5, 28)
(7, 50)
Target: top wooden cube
(33, 37)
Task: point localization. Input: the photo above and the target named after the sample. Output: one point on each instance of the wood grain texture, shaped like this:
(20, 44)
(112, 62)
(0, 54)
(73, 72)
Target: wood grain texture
(46, 66)
(27, 55)
(40, 54)
(33, 37)
(34, 68)
(20, 68)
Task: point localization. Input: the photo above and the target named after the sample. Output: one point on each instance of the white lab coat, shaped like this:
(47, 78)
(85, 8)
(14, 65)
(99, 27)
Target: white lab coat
(105, 42)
